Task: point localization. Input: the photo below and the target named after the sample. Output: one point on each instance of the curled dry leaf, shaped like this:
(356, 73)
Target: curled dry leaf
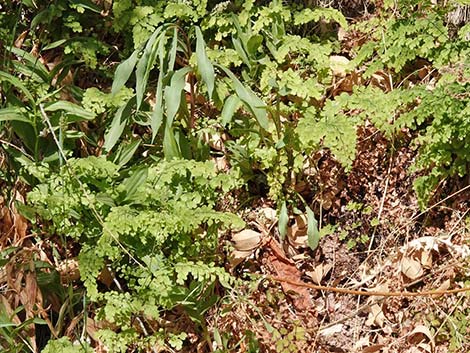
(269, 214)
(221, 164)
(420, 335)
(68, 270)
(374, 348)
(376, 316)
(246, 240)
(331, 330)
(411, 268)
(319, 272)
(297, 233)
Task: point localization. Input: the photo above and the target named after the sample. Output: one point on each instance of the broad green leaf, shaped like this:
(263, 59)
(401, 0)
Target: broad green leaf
(31, 71)
(124, 71)
(7, 324)
(203, 63)
(132, 183)
(251, 100)
(173, 49)
(157, 114)
(17, 83)
(118, 124)
(231, 105)
(237, 44)
(55, 44)
(283, 221)
(9, 114)
(146, 62)
(88, 5)
(70, 108)
(125, 152)
(31, 59)
(173, 93)
(313, 235)
(170, 146)
(253, 44)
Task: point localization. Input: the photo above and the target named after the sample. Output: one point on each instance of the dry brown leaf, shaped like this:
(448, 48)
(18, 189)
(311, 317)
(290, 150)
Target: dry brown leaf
(297, 233)
(20, 39)
(420, 334)
(319, 272)
(284, 268)
(374, 348)
(69, 271)
(237, 257)
(376, 316)
(246, 240)
(444, 286)
(221, 164)
(338, 328)
(411, 268)
(426, 259)
(269, 214)
(106, 277)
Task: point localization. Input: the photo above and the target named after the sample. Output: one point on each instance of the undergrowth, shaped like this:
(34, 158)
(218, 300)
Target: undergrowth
(130, 123)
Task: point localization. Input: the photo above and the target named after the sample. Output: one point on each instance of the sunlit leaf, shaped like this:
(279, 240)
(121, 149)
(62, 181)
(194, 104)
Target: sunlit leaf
(117, 125)
(231, 105)
(312, 230)
(174, 92)
(283, 221)
(203, 63)
(9, 114)
(251, 100)
(124, 71)
(146, 63)
(70, 108)
(132, 183)
(125, 152)
(6, 77)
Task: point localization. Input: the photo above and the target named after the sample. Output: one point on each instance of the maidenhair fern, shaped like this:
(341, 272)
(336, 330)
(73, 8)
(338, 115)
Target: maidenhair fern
(154, 227)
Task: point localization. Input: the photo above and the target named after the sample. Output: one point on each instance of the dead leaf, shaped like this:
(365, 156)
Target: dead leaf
(426, 259)
(420, 334)
(20, 39)
(297, 233)
(411, 268)
(237, 257)
(374, 348)
(106, 276)
(68, 270)
(376, 316)
(284, 268)
(319, 272)
(329, 331)
(444, 286)
(246, 240)
(269, 214)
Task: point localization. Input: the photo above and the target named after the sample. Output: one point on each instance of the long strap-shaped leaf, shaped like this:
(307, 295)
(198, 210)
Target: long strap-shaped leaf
(249, 98)
(204, 64)
(146, 62)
